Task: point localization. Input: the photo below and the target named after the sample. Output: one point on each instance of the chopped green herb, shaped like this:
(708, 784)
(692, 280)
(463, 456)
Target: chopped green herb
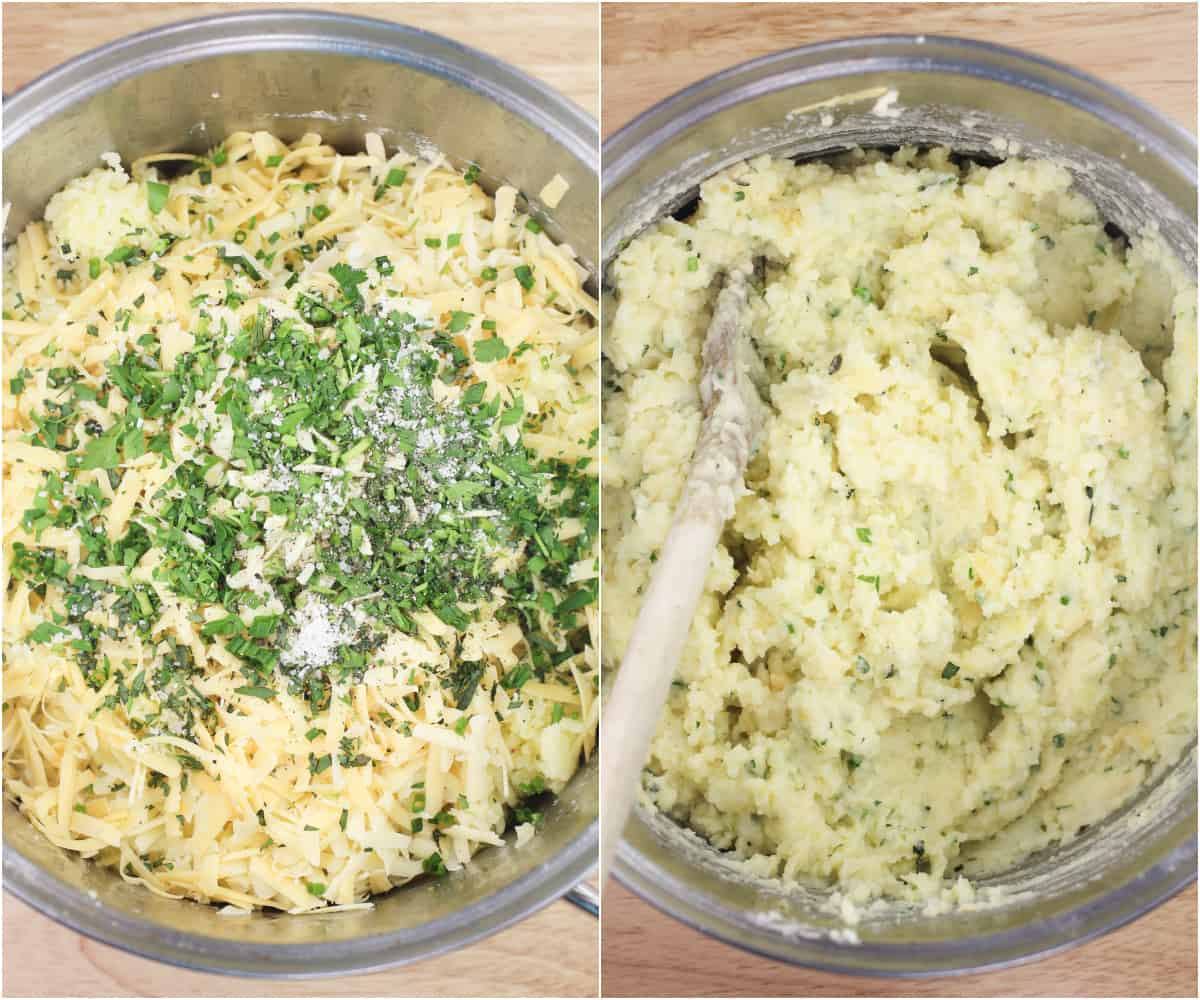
(490, 349)
(156, 196)
(253, 691)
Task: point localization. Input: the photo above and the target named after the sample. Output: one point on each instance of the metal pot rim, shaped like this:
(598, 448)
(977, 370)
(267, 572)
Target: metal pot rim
(518, 900)
(634, 871)
(300, 30)
(250, 32)
(662, 124)
(663, 121)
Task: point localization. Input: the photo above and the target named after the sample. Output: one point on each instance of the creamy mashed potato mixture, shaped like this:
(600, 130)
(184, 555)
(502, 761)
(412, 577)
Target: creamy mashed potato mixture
(952, 620)
(300, 520)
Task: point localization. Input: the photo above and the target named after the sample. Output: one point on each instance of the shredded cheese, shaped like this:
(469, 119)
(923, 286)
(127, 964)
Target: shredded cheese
(265, 796)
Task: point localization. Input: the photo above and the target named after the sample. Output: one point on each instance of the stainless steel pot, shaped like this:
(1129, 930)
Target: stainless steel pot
(185, 87)
(988, 102)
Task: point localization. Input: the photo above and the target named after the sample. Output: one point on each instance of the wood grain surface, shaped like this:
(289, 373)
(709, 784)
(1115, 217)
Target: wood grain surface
(652, 50)
(553, 953)
(646, 953)
(558, 43)
(649, 52)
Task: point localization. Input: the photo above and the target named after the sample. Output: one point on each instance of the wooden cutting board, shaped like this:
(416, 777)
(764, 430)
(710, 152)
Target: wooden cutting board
(557, 43)
(650, 52)
(553, 953)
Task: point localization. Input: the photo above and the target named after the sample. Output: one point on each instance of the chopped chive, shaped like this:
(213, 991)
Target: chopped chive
(253, 691)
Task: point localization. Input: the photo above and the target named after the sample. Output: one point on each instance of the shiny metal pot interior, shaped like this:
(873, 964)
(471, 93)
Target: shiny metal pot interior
(185, 87)
(1139, 169)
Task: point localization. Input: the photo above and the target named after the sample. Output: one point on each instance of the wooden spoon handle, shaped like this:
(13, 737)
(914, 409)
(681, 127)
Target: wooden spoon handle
(631, 713)
(715, 479)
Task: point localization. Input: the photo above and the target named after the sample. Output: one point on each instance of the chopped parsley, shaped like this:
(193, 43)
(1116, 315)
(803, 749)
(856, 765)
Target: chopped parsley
(156, 196)
(490, 349)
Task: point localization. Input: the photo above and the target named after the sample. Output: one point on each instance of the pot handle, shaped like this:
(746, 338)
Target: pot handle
(586, 897)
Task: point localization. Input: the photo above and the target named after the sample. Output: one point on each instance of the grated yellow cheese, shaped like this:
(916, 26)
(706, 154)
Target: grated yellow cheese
(236, 815)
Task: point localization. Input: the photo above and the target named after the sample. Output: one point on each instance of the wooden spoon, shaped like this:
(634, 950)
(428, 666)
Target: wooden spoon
(732, 418)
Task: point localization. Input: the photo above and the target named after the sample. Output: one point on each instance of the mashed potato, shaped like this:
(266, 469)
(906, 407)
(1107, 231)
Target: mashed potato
(952, 620)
